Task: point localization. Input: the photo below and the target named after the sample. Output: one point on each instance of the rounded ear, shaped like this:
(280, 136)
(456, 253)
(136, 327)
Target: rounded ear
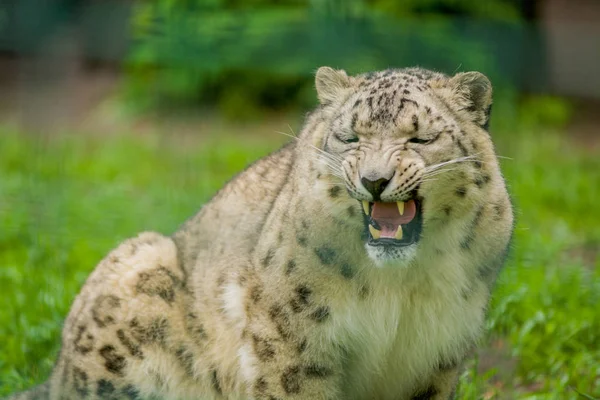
(474, 91)
(330, 83)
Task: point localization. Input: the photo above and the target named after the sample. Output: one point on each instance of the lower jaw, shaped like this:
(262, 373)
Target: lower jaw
(391, 242)
(392, 256)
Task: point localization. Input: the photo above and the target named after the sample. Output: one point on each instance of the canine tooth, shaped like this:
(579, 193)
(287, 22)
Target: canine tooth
(400, 207)
(374, 232)
(398, 235)
(365, 207)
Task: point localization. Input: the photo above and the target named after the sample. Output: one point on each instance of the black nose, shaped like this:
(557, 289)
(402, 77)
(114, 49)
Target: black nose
(375, 187)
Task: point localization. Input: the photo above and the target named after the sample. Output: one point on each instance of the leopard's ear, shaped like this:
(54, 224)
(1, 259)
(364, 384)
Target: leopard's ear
(474, 91)
(331, 84)
(469, 93)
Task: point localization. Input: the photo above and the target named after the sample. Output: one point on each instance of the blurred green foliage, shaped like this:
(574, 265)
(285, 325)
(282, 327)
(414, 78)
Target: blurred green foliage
(249, 56)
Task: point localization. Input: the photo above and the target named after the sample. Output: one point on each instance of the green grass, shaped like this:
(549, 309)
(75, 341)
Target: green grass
(65, 202)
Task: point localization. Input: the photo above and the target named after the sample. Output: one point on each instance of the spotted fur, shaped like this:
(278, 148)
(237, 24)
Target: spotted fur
(270, 291)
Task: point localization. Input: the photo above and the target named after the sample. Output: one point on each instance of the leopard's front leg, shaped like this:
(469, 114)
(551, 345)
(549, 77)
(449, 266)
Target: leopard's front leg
(286, 353)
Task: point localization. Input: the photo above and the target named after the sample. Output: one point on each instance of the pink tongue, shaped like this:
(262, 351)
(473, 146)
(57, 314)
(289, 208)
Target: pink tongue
(388, 217)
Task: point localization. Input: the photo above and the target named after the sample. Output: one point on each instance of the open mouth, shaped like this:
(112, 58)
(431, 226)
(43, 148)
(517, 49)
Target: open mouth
(393, 224)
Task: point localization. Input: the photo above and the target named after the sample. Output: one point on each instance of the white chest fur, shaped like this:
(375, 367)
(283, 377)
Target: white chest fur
(398, 335)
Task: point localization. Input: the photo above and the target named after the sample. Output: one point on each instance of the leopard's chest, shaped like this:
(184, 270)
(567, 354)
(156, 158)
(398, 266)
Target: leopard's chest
(397, 337)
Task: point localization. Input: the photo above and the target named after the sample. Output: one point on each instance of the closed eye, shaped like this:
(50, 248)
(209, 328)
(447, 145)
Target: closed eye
(347, 139)
(419, 141)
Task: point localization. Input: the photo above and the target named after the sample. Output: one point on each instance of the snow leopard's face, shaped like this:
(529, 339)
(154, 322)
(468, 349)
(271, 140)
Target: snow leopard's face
(401, 150)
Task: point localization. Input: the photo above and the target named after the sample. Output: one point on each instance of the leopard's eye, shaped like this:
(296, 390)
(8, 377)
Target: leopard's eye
(347, 139)
(419, 141)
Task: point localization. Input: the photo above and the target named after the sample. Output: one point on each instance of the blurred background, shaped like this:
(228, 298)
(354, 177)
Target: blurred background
(119, 116)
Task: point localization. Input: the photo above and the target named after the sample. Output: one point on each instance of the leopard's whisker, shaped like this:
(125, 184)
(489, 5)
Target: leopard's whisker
(332, 156)
(333, 170)
(328, 163)
(438, 172)
(453, 161)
